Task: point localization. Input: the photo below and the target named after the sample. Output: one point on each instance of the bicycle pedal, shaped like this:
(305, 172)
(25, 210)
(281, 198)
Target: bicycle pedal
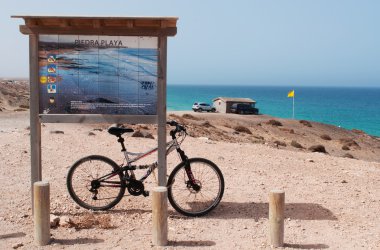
(146, 193)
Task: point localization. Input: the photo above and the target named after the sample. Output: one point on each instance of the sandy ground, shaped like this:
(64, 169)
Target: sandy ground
(331, 201)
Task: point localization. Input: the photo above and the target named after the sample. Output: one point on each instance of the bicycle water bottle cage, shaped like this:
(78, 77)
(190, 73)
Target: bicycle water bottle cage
(118, 131)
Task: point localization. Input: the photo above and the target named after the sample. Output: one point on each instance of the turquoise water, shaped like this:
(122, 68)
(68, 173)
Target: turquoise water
(349, 108)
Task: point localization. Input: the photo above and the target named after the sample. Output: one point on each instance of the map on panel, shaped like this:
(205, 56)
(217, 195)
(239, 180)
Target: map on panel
(98, 74)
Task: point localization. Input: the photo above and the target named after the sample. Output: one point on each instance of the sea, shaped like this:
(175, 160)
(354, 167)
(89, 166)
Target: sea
(346, 107)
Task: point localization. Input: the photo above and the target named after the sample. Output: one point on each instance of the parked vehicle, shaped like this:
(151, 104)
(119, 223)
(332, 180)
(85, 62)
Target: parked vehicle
(244, 108)
(201, 106)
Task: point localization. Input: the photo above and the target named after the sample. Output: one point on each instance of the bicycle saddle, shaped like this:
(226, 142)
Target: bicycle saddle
(118, 131)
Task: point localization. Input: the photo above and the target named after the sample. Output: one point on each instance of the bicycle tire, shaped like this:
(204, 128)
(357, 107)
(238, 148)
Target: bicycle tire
(175, 188)
(110, 166)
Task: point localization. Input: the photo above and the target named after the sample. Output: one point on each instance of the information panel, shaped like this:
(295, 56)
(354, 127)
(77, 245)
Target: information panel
(98, 74)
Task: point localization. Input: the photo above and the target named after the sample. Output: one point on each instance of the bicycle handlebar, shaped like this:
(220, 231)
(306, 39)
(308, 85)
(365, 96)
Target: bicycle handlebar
(178, 127)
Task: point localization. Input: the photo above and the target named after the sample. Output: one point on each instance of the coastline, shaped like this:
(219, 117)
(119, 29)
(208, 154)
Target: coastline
(351, 108)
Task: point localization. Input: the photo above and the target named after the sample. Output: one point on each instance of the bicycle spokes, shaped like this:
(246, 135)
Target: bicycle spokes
(195, 188)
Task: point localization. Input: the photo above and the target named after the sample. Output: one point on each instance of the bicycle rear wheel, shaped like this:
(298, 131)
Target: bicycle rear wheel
(200, 199)
(95, 182)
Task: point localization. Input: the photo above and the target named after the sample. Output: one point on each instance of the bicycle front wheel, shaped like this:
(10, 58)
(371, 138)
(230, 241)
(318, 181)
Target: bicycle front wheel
(197, 197)
(96, 182)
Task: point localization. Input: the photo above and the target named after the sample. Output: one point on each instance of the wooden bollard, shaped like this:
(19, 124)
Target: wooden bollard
(41, 213)
(276, 217)
(160, 216)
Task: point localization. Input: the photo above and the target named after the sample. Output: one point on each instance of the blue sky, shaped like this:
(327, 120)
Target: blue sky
(267, 42)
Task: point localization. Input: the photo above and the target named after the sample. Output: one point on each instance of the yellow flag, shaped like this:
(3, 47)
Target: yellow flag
(291, 94)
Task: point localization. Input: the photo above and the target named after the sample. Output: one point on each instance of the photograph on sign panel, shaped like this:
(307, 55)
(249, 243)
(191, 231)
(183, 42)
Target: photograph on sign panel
(98, 74)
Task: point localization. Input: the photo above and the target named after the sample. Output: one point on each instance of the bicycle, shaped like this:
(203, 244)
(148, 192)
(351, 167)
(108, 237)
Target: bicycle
(104, 182)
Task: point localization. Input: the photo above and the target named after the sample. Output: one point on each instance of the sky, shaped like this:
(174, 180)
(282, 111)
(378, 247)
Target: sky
(242, 42)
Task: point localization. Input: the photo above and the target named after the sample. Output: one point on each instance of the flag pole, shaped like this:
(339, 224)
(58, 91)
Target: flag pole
(293, 103)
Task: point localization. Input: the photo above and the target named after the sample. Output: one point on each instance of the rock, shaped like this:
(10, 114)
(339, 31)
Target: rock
(345, 147)
(344, 181)
(318, 148)
(56, 132)
(296, 144)
(15, 246)
(91, 134)
(306, 123)
(309, 160)
(54, 221)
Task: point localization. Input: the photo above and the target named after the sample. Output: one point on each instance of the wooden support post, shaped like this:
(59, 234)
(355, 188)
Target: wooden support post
(161, 111)
(160, 206)
(41, 213)
(160, 215)
(276, 217)
(35, 125)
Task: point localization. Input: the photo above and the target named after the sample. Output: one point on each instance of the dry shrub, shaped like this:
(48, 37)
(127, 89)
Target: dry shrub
(23, 106)
(143, 126)
(306, 123)
(137, 133)
(88, 221)
(348, 142)
(242, 129)
(227, 125)
(207, 124)
(274, 123)
(326, 137)
(191, 117)
(358, 131)
(296, 144)
(56, 132)
(19, 110)
(318, 148)
(289, 130)
(178, 119)
(259, 137)
(280, 143)
(347, 155)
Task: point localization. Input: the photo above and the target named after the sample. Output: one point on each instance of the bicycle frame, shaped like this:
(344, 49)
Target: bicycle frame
(170, 146)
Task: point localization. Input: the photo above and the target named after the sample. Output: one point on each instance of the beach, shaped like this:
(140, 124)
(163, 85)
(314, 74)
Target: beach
(332, 198)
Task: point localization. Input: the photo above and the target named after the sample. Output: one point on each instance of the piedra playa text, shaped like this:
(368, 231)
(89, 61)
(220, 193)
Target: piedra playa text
(100, 43)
